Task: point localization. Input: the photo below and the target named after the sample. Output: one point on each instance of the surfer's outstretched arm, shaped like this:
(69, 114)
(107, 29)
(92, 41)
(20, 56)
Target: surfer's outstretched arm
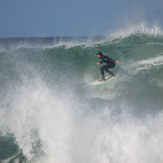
(117, 62)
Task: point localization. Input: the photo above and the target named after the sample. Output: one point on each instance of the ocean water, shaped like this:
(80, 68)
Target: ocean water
(49, 113)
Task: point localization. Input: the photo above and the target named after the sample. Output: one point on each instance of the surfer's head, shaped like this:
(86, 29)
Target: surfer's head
(99, 54)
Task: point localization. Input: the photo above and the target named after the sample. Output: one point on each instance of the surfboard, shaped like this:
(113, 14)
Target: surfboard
(107, 80)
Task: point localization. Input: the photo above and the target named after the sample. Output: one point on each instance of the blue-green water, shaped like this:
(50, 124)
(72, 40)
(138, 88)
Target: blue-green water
(50, 113)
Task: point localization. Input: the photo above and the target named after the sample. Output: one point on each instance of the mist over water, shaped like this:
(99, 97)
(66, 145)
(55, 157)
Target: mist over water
(50, 113)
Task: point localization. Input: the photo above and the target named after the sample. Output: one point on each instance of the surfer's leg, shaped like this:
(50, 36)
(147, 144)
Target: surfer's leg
(106, 68)
(102, 72)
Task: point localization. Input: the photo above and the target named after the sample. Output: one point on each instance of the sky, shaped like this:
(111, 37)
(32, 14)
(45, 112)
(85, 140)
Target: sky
(58, 18)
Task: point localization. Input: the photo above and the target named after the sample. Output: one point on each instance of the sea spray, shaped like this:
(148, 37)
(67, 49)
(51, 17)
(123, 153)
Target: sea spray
(54, 115)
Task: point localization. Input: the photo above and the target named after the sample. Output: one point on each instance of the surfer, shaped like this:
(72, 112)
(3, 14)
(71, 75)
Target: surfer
(110, 64)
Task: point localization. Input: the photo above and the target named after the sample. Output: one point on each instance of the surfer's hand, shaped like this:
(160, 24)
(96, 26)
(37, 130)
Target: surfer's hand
(116, 61)
(98, 63)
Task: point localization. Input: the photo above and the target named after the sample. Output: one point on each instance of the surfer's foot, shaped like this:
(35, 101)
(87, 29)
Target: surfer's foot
(103, 79)
(112, 75)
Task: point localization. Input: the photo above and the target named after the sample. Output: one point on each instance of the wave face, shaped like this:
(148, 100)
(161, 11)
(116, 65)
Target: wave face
(50, 113)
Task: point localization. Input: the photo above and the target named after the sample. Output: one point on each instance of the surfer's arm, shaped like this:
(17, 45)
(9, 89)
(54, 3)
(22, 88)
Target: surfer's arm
(110, 59)
(98, 63)
(116, 61)
(101, 62)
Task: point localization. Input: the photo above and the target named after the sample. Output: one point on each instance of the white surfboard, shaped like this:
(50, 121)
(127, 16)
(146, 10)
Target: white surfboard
(107, 79)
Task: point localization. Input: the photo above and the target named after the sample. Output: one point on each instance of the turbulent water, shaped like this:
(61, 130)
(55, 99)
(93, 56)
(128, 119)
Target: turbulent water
(49, 113)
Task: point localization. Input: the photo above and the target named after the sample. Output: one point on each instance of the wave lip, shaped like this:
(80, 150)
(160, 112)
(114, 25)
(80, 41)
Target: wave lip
(142, 28)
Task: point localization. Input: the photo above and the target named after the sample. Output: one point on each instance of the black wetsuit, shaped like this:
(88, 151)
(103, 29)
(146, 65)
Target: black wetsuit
(110, 64)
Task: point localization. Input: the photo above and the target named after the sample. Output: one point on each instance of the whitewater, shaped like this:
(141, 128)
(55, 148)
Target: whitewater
(50, 113)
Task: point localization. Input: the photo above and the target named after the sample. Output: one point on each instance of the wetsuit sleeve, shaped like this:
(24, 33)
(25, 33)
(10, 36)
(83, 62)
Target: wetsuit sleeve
(110, 60)
(101, 61)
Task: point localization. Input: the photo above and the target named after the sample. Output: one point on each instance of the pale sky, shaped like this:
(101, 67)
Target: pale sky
(52, 18)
